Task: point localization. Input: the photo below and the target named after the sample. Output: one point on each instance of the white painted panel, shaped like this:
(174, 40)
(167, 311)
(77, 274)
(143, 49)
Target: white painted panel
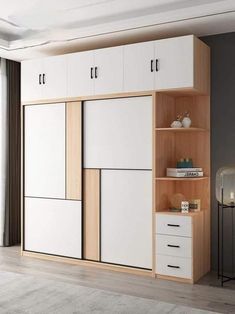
(174, 225)
(118, 133)
(45, 150)
(30, 87)
(175, 63)
(126, 217)
(173, 246)
(174, 266)
(80, 82)
(53, 226)
(109, 63)
(55, 70)
(137, 67)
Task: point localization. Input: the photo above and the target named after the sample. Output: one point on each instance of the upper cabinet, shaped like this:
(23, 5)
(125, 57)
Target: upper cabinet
(44, 78)
(174, 63)
(109, 70)
(80, 74)
(139, 67)
(95, 72)
(178, 64)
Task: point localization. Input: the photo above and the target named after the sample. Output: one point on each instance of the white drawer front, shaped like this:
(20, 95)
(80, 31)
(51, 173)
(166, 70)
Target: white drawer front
(173, 246)
(174, 225)
(174, 266)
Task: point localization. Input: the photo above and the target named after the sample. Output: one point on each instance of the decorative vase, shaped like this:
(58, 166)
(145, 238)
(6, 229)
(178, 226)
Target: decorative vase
(186, 122)
(176, 124)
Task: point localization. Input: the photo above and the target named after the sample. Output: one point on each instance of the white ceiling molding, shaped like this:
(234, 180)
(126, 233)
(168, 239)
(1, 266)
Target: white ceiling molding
(33, 28)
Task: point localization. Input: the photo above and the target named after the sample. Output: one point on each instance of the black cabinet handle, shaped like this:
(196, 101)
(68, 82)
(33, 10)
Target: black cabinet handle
(43, 79)
(92, 73)
(96, 75)
(40, 79)
(171, 245)
(151, 65)
(172, 225)
(172, 266)
(156, 65)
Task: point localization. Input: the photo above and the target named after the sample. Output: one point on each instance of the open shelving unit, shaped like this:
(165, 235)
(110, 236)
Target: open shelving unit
(171, 144)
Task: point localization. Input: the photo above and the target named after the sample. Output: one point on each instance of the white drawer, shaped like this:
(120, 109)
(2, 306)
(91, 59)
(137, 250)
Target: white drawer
(174, 266)
(173, 246)
(174, 225)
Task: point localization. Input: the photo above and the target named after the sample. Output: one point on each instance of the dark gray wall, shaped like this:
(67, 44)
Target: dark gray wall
(222, 128)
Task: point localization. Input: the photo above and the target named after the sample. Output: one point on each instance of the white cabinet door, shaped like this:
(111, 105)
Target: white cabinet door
(126, 217)
(81, 74)
(175, 63)
(139, 67)
(45, 150)
(31, 81)
(118, 133)
(53, 226)
(54, 77)
(109, 70)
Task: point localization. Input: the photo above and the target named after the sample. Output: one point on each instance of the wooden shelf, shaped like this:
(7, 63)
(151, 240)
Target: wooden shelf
(180, 179)
(181, 129)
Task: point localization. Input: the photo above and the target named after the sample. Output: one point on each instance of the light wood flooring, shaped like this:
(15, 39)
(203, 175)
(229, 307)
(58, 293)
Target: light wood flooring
(205, 295)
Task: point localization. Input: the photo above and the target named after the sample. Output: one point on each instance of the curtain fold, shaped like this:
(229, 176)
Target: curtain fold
(9, 152)
(4, 140)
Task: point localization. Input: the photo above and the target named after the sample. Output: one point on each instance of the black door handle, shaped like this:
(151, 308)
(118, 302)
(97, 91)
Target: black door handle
(43, 79)
(96, 75)
(172, 266)
(172, 225)
(156, 65)
(92, 73)
(171, 245)
(151, 65)
(40, 79)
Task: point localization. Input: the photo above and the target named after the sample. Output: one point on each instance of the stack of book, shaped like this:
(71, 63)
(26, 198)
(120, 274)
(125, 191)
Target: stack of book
(184, 172)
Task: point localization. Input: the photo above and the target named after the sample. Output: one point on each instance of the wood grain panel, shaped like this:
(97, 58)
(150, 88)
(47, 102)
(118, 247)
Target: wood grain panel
(91, 194)
(73, 151)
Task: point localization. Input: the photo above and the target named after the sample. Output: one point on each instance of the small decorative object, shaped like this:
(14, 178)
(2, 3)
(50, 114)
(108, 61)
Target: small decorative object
(175, 202)
(186, 122)
(177, 123)
(184, 207)
(195, 205)
(185, 163)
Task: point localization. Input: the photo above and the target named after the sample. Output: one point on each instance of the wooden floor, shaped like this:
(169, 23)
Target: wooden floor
(204, 295)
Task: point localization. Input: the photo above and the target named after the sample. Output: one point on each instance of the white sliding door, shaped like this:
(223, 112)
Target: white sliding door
(118, 133)
(53, 226)
(45, 150)
(126, 217)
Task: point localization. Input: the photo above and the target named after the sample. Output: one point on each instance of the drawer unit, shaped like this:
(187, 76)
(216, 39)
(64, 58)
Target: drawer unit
(174, 225)
(173, 246)
(174, 266)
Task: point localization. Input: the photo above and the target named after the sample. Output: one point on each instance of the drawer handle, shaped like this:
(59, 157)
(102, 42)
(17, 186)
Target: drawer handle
(171, 245)
(172, 225)
(40, 79)
(172, 266)
(96, 74)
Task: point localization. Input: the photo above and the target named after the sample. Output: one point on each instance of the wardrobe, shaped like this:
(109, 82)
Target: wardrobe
(96, 143)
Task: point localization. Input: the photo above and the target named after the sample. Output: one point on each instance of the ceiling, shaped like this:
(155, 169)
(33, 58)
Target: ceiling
(35, 28)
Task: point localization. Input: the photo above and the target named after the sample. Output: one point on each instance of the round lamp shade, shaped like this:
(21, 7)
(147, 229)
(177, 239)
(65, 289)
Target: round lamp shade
(225, 180)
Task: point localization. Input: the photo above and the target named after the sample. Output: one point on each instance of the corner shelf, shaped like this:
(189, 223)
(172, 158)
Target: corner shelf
(193, 129)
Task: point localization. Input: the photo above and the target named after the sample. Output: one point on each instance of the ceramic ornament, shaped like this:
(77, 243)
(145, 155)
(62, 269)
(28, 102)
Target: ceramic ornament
(186, 122)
